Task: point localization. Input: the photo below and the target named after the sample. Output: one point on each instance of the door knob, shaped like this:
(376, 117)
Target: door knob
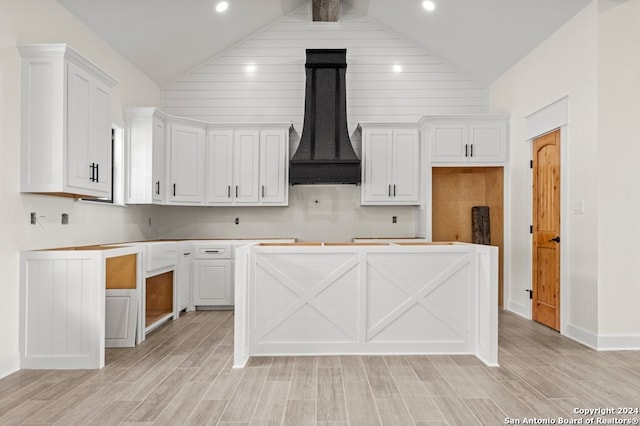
(556, 239)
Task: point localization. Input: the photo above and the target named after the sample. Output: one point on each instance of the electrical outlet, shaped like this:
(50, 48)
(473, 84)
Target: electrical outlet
(237, 221)
(34, 218)
(394, 219)
(65, 219)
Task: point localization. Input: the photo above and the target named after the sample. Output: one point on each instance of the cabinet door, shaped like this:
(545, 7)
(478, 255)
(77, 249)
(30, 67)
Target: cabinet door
(487, 142)
(184, 281)
(449, 143)
(100, 139)
(158, 179)
(406, 166)
(219, 167)
(80, 168)
(187, 164)
(88, 134)
(377, 173)
(273, 167)
(245, 166)
(212, 283)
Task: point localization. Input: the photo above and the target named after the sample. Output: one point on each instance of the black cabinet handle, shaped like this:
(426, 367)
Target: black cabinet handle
(262, 191)
(212, 251)
(186, 254)
(466, 149)
(236, 191)
(228, 191)
(471, 150)
(394, 189)
(389, 190)
(97, 172)
(92, 178)
(174, 189)
(158, 187)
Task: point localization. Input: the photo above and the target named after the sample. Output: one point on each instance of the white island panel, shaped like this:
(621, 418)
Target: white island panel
(366, 299)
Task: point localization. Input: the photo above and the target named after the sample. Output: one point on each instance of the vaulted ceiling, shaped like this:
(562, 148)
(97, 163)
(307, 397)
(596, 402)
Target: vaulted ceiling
(166, 38)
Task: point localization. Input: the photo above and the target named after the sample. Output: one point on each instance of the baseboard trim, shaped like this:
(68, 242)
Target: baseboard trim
(629, 342)
(9, 365)
(519, 309)
(581, 335)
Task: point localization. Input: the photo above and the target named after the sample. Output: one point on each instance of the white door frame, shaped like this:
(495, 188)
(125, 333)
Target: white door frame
(547, 119)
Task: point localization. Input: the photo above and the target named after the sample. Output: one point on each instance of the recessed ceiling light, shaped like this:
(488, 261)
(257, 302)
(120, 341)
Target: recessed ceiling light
(429, 5)
(222, 6)
(250, 68)
(397, 68)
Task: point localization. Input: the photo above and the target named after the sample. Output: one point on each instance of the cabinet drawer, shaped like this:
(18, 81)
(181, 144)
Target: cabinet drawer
(161, 255)
(218, 251)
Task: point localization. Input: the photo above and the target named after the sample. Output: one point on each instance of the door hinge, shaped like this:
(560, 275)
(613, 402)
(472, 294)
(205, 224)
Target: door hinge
(531, 229)
(531, 164)
(530, 293)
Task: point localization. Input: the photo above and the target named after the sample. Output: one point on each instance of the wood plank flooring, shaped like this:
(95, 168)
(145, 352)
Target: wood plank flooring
(182, 375)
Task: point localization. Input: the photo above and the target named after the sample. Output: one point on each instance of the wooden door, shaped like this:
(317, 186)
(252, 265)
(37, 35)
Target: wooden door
(546, 230)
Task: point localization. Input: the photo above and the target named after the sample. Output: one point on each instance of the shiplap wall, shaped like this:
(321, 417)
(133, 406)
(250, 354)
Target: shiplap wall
(225, 89)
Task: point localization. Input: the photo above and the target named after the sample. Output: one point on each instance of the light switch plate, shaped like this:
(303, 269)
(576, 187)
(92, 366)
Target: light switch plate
(577, 207)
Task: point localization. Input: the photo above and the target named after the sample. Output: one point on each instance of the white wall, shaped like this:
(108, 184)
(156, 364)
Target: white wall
(565, 64)
(315, 213)
(45, 21)
(619, 176)
(221, 89)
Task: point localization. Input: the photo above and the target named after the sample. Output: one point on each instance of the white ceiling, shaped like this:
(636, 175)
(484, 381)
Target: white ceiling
(166, 38)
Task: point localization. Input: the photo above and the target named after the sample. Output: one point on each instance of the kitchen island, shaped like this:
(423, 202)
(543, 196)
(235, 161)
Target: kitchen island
(366, 298)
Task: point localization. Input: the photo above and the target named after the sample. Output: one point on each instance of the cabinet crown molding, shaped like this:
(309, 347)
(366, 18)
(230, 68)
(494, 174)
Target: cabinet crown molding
(64, 51)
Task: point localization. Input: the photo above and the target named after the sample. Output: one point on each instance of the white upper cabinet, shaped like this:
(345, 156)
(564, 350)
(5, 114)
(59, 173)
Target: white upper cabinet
(186, 172)
(246, 177)
(274, 167)
(219, 152)
(247, 166)
(66, 123)
(145, 137)
(390, 165)
(158, 175)
(179, 161)
(468, 139)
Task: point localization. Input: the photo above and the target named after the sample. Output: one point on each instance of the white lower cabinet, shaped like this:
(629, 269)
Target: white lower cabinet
(212, 274)
(212, 283)
(121, 308)
(184, 279)
(73, 303)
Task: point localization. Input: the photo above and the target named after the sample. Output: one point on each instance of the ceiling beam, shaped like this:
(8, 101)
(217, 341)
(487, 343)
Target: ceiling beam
(325, 10)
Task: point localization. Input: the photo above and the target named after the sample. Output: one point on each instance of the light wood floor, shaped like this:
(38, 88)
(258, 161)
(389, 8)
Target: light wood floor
(182, 375)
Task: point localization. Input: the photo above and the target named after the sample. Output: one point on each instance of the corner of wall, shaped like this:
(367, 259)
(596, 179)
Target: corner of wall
(9, 365)
(581, 335)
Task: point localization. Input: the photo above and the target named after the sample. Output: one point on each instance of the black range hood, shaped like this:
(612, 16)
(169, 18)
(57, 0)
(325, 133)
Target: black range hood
(325, 154)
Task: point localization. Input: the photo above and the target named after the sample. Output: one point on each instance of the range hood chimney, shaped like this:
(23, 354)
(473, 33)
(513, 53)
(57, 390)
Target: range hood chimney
(325, 154)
